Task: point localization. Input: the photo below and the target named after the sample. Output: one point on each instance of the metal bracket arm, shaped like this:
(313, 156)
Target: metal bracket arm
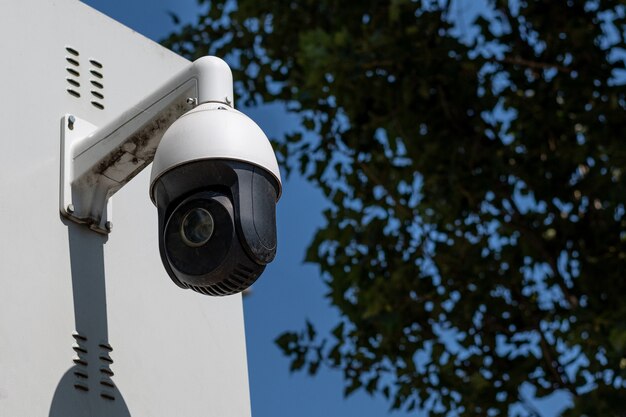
(97, 162)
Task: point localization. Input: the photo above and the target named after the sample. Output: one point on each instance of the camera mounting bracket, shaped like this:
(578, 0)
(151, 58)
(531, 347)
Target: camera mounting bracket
(97, 161)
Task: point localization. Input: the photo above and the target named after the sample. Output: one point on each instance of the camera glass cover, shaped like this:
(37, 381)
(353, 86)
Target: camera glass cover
(199, 233)
(197, 227)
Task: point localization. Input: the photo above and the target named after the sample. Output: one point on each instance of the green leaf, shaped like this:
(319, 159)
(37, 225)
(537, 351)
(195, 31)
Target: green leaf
(286, 341)
(310, 331)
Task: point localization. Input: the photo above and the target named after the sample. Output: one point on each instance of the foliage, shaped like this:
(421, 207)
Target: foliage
(477, 235)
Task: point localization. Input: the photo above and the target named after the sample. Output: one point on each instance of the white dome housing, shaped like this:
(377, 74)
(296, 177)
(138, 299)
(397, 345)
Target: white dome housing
(213, 131)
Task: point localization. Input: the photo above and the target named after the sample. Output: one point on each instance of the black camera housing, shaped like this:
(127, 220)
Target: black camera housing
(241, 198)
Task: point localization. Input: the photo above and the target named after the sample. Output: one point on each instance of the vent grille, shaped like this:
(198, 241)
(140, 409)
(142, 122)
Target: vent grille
(96, 80)
(95, 72)
(238, 280)
(82, 367)
(72, 69)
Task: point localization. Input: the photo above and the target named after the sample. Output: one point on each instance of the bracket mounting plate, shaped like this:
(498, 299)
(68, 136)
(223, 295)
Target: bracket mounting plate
(73, 130)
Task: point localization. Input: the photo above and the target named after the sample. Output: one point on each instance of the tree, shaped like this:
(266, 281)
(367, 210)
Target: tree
(477, 235)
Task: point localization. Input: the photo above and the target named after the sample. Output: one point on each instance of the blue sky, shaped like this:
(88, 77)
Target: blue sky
(289, 292)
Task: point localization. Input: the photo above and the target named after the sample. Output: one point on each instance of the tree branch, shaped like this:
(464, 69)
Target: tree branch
(532, 410)
(558, 372)
(539, 244)
(517, 60)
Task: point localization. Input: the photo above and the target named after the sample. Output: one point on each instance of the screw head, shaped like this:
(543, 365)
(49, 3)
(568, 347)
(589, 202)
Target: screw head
(70, 208)
(70, 121)
(108, 225)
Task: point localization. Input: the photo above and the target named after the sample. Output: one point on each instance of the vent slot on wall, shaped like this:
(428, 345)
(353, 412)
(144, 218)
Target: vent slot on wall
(72, 69)
(96, 80)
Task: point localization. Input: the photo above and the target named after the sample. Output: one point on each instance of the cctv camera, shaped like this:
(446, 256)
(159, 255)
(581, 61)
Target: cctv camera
(215, 182)
(215, 179)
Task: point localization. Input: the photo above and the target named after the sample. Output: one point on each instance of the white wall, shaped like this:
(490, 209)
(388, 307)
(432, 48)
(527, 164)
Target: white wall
(175, 352)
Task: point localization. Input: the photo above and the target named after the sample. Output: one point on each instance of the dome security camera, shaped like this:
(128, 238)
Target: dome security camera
(215, 182)
(215, 179)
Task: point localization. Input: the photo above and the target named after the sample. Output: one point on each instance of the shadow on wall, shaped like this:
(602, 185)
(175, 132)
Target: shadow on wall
(87, 388)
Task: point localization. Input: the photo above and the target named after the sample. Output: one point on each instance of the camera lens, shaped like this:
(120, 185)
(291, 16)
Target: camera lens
(197, 227)
(199, 233)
